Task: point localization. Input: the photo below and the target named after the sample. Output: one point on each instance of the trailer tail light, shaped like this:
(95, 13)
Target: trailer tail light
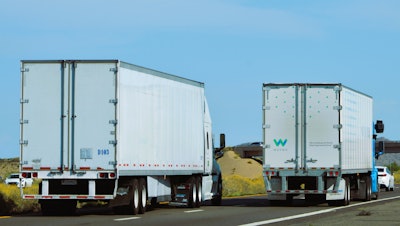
(270, 173)
(104, 175)
(333, 173)
(29, 174)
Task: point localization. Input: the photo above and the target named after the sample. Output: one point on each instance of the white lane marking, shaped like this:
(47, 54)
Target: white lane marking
(193, 211)
(314, 213)
(127, 219)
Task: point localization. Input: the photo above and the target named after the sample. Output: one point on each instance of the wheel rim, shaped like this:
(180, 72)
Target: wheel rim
(136, 198)
(144, 196)
(199, 196)
(194, 192)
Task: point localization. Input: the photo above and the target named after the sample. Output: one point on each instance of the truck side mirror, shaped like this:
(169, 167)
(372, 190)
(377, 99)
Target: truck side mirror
(222, 141)
(379, 127)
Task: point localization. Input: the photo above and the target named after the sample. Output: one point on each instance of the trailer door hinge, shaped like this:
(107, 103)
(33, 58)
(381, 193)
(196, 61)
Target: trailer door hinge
(338, 126)
(24, 121)
(337, 108)
(24, 101)
(114, 69)
(25, 69)
(113, 101)
(266, 126)
(337, 146)
(114, 122)
(113, 142)
(266, 107)
(23, 142)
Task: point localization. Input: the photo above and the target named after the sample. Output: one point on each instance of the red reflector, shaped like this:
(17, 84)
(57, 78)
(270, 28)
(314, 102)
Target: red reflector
(84, 168)
(45, 168)
(112, 175)
(29, 196)
(64, 197)
(35, 174)
(27, 168)
(99, 197)
(24, 175)
(102, 175)
(82, 197)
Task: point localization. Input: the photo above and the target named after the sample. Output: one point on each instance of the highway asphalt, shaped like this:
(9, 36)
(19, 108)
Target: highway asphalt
(385, 212)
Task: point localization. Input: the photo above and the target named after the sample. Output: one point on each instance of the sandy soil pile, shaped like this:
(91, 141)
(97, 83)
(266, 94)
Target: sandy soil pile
(232, 164)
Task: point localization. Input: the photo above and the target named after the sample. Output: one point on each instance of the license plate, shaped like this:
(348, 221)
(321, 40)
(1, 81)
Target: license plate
(69, 182)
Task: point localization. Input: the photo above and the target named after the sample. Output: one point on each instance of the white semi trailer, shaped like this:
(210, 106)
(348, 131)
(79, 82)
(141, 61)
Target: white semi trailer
(113, 131)
(319, 142)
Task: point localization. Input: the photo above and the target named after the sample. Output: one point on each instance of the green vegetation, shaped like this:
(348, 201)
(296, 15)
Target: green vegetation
(393, 167)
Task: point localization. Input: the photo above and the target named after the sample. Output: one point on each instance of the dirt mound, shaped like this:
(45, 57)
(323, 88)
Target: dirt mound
(232, 164)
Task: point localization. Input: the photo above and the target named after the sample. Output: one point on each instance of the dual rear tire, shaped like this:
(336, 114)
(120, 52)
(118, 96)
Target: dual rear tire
(138, 201)
(195, 192)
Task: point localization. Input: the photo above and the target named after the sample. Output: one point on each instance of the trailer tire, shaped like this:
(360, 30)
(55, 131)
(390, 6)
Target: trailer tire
(199, 192)
(135, 199)
(368, 188)
(346, 200)
(142, 195)
(375, 195)
(192, 192)
(217, 199)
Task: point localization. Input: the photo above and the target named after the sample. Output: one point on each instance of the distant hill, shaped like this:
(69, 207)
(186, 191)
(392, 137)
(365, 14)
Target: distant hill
(387, 159)
(8, 166)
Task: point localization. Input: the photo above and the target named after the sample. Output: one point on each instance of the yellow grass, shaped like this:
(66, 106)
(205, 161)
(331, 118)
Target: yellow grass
(397, 177)
(236, 185)
(11, 201)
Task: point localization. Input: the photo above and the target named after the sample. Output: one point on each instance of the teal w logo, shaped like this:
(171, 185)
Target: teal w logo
(280, 142)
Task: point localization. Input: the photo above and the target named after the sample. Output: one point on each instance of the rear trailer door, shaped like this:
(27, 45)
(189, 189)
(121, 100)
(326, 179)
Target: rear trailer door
(68, 117)
(301, 126)
(321, 122)
(280, 128)
(41, 122)
(93, 115)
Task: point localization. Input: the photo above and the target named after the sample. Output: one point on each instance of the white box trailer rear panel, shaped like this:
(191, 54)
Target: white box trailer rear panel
(67, 116)
(316, 126)
(110, 115)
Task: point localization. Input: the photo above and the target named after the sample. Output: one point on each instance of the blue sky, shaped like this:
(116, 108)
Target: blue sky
(233, 46)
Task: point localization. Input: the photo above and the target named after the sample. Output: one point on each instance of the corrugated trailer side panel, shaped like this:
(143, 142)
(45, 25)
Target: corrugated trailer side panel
(160, 123)
(356, 134)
